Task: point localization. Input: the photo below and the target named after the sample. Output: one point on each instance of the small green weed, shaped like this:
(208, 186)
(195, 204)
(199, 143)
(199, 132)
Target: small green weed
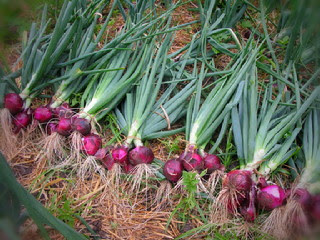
(172, 145)
(189, 202)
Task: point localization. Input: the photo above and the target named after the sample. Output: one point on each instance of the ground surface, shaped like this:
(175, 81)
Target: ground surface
(110, 210)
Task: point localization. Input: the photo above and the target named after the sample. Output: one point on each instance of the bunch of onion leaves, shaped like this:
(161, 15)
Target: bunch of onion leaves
(136, 110)
(41, 51)
(105, 89)
(107, 93)
(301, 212)
(163, 113)
(265, 124)
(57, 117)
(203, 119)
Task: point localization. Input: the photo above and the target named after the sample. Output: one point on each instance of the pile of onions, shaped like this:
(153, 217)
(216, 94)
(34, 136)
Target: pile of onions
(191, 161)
(21, 117)
(247, 196)
(125, 157)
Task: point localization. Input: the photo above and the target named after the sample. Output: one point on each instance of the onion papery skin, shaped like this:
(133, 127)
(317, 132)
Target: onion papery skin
(101, 153)
(172, 170)
(240, 199)
(271, 197)
(128, 168)
(302, 196)
(81, 125)
(42, 114)
(315, 210)
(120, 155)
(141, 155)
(191, 161)
(249, 212)
(212, 163)
(91, 144)
(13, 102)
(107, 161)
(63, 111)
(21, 120)
(51, 128)
(239, 180)
(262, 183)
(64, 127)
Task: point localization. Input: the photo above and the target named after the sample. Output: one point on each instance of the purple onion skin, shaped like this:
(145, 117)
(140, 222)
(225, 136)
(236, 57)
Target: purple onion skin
(141, 155)
(262, 183)
(271, 197)
(315, 210)
(21, 120)
(64, 127)
(302, 196)
(13, 102)
(212, 162)
(239, 180)
(120, 155)
(191, 161)
(128, 168)
(81, 125)
(91, 144)
(172, 170)
(101, 153)
(249, 212)
(63, 111)
(51, 128)
(42, 114)
(108, 161)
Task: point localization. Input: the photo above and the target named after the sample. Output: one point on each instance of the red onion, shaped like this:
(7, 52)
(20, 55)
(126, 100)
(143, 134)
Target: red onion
(42, 114)
(64, 126)
(249, 212)
(105, 157)
(271, 197)
(237, 201)
(21, 120)
(141, 154)
(128, 168)
(64, 110)
(91, 144)
(13, 102)
(82, 125)
(315, 211)
(239, 180)
(262, 183)
(51, 128)
(191, 161)
(172, 170)
(212, 162)
(120, 155)
(101, 153)
(302, 196)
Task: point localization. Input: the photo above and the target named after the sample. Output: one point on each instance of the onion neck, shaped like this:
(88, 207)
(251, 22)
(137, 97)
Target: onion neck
(193, 134)
(133, 132)
(27, 103)
(25, 94)
(138, 141)
(257, 160)
(56, 103)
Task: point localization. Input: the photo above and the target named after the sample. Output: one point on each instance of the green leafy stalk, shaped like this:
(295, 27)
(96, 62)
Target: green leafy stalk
(36, 211)
(219, 102)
